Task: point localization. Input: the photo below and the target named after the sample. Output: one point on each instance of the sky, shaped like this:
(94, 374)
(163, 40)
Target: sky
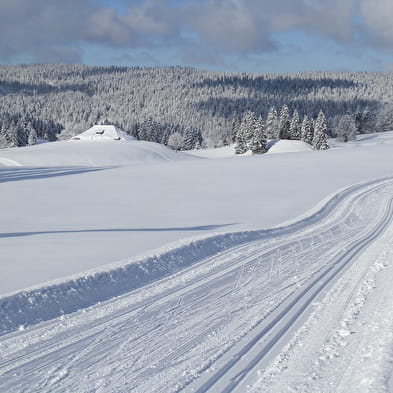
(260, 36)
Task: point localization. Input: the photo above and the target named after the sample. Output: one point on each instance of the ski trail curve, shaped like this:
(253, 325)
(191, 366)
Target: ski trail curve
(210, 325)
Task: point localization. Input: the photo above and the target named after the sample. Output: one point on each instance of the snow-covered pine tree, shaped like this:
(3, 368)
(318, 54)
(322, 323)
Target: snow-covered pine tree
(272, 131)
(24, 126)
(234, 129)
(176, 141)
(240, 144)
(320, 140)
(249, 121)
(3, 136)
(258, 142)
(189, 138)
(307, 131)
(284, 123)
(13, 131)
(244, 133)
(148, 130)
(294, 128)
(73, 97)
(384, 121)
(365, 121)
(346, 128)
(32, 138)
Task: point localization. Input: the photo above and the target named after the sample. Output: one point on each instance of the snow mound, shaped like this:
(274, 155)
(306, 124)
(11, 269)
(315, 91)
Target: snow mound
(217, 152)
(47, 301)
(90, 153)
(103, 133)
(287, 146)
(274, 146)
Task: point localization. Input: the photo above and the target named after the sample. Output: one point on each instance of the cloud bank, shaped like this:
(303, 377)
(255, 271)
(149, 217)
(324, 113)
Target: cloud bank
(56, 30)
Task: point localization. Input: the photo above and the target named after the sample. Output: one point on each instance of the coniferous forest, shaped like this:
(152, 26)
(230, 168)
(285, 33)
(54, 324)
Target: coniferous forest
(188, 108)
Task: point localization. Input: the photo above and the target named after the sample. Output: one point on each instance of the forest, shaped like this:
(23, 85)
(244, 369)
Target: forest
(185, 108)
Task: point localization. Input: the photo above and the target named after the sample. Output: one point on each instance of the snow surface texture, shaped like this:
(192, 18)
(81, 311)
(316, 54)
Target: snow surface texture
(209, 327)
(285, 146)
(43, 303)
(60, 220)
(274, 146)
(347, 343)
(89, 153)
(103, 133)
(194, 314)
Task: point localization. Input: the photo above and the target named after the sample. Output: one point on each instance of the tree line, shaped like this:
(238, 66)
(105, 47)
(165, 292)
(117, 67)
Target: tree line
(252, 133)
(179, 106)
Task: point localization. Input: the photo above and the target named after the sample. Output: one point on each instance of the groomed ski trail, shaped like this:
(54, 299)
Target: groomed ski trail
(209, 326)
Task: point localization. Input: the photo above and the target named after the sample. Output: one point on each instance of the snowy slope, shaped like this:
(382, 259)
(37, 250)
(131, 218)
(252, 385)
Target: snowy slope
(89, 153)
(274, 146)
(103, 133)
(287, 146)
(84, 219)
(230, 285)
(232, 310)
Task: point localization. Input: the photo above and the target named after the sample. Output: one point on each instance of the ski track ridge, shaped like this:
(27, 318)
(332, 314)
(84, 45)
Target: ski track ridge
(46, 302)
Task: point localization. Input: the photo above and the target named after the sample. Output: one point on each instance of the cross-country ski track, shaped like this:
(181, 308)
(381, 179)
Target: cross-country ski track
(209, 326)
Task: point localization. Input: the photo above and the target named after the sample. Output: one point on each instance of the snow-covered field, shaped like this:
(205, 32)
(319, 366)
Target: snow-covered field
(209, 296)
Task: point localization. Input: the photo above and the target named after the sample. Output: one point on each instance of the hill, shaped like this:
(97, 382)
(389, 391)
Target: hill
(89, 153)
(76, 206)
(201, 106)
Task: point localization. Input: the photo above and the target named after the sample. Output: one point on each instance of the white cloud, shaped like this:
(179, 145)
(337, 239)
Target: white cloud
(378, 17)
(228, 24)
(53, 30)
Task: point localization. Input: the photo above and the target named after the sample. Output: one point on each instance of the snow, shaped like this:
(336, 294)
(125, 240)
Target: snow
(103, 133)
(90, 153)
(200, 243)
(219, 152)
(59, 221)
(287, 146)
(274, 146)
(167, 335)
(348, 338)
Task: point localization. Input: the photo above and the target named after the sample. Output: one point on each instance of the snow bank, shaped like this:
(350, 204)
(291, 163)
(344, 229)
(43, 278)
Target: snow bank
(287, 146)
(103, 133)
(111, 153)
(62, 297)
(274, 146)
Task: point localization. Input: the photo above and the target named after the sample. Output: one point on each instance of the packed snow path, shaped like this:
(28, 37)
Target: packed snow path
(209, 327)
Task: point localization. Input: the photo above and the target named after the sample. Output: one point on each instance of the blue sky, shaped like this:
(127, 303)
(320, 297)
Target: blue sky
(230, 35)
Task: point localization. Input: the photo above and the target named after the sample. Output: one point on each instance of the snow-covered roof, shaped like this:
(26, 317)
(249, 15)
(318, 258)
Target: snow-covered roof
(103, 133)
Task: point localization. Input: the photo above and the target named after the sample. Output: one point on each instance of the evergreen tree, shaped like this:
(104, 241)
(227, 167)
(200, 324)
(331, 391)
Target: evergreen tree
(240, 144)
(234, 129)
(244, 133)
(366, 123)
(73, 97)
(192, 139)
(148, 130)
(14, 133)
(320, 140)
(258, 141)
(32, 139)
(176, 141)
(284, 123)
(248, 125)
(307, 131)
(294, 128)
(346, 128)
(384, 121)
(272, 131)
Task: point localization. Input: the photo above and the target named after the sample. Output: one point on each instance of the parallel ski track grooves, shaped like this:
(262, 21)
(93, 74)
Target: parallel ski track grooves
(106, 327)
(325, 223)
(302, 301)
(240, 239)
